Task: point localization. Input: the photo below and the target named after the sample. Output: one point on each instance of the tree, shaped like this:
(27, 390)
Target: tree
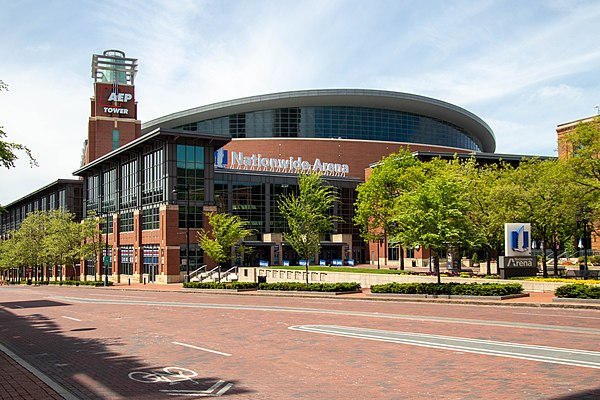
(8, 150)
(375, 203)
(435, 213)
(64, 238)
(485, 196)
(545, 193)
(308, 215)
(226, 232)
(8, 254)
(92, 238)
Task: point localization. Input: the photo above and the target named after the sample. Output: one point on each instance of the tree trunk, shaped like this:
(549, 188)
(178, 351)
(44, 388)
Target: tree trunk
(401, 249)
(555, 257)
(544, 266)
(488, 260)
(436, 261)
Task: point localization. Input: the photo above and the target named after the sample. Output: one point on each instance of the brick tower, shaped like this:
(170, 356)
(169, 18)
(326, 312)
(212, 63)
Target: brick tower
(113, 121)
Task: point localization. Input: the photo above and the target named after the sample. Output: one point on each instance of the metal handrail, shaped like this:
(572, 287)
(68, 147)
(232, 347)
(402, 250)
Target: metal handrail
(209, 274)
(195, 273)
(225, 274)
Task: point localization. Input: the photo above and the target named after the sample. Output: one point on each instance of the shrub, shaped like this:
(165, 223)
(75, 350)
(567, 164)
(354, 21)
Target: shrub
(578, 291)
(220, 285)
(451, 288)
(311, 287)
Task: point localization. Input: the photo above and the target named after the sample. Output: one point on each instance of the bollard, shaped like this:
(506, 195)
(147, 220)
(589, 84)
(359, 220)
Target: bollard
(129, 281)
(144, 280)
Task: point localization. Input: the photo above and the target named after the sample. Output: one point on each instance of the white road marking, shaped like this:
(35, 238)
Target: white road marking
(557, 315)
(71, 318)
(201, 348)
(554, 355)
(420, 318)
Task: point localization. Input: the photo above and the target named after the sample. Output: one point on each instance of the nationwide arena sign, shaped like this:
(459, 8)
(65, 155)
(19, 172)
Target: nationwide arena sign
(258, 162)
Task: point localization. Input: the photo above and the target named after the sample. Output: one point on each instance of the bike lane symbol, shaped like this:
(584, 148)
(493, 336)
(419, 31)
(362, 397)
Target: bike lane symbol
(176, 375)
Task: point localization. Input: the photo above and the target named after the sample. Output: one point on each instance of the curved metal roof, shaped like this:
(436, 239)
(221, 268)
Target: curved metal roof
(369, 98)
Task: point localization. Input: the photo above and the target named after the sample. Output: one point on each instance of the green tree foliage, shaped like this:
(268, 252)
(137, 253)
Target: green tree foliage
(308, 215)
(45, 238)
(226, 232)
(485, 197)
(545, 194)
(92, 238)
(8, 150)
(435, 213)
(584, 146)
(376, 199)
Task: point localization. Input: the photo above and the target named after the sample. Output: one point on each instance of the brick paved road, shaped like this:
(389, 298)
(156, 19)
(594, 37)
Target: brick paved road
(107, 344)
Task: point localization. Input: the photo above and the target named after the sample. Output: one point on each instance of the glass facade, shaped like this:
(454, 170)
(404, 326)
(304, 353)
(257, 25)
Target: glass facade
(255, 198)
(153, 174)
(129, 183)
(343, 122)
(190, 172)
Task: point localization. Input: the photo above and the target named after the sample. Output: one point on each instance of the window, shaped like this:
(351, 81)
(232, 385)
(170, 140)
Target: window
(93, 193)
(249, 203)
(62, 200)
(190, 172)
(194, 216)
(127, 260)
(109, 190)
(129, 184)
(150, 256)
(90, 267)
(196, 257)
(150, 218)
(152, 187)
(107, 227)
(115, 139)
(126, 222)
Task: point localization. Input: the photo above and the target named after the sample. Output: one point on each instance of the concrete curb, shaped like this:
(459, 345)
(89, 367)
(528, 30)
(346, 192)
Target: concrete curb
(444, 296)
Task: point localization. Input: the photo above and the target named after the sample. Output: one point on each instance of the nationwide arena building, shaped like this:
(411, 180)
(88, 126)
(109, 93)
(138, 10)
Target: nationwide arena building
(155, 181)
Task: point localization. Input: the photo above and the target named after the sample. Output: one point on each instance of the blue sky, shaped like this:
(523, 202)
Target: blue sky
(524, 67)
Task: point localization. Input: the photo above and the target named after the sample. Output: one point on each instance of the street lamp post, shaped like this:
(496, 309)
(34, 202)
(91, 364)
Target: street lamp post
(583, 240)
(187, 231)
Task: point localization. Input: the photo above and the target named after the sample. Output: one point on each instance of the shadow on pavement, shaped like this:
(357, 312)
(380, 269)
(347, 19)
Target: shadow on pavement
(89, 369)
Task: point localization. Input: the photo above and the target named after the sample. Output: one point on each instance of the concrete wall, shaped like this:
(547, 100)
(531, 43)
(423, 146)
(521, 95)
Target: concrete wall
(247, 274)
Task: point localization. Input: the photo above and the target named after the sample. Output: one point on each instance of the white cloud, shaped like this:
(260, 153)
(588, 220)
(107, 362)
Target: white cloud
(523, 67)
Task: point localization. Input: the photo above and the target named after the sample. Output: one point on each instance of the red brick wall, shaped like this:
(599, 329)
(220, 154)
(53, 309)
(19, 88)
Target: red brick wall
(356, 153)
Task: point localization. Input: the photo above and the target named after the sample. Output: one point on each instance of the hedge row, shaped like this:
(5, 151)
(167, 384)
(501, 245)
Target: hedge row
(578, 291)
(451, 288)
(220, 285)
(311, 287)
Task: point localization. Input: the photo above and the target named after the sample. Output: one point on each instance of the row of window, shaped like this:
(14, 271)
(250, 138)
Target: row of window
(12, 218)
(150, 259)
(102, 196)
(249, 200)
(340, 121)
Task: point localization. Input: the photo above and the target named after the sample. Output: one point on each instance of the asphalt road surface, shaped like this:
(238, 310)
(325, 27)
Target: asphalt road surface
(97, 343)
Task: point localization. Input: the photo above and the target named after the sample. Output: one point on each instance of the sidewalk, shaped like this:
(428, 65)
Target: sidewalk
(18, 383)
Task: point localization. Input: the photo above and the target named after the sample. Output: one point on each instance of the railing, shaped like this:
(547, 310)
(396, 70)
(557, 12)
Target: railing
(195, 273)
(209, 274)
(230, 273)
